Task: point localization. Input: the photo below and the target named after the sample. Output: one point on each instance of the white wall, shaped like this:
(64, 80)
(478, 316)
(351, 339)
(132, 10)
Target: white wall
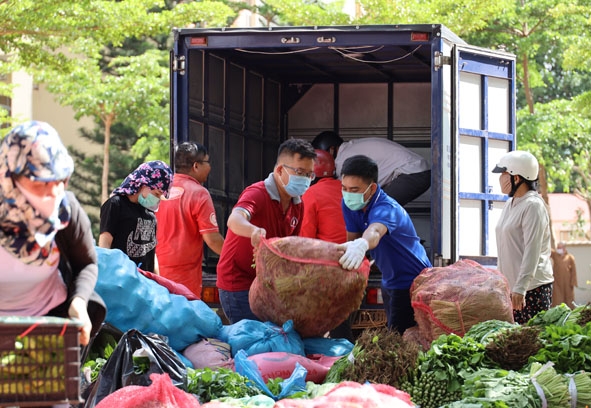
(582, 253)
(47, 109)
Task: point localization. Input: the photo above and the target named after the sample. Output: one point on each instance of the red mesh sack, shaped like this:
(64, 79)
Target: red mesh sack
(300, 279)
(452, 299)
(160, 394)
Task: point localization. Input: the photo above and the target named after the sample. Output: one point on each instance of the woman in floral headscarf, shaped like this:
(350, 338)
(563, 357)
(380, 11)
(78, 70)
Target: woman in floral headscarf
(128, 221)
(47, 253)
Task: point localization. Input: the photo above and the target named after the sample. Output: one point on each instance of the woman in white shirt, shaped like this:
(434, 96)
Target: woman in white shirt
(523, 236)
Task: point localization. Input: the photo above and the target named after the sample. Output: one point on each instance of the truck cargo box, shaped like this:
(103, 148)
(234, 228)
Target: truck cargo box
(241, 92)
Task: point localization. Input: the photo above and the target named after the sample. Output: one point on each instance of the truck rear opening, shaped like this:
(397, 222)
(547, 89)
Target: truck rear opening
(241, 92)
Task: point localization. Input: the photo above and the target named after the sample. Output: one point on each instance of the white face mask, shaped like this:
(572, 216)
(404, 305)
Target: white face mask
(46, 206)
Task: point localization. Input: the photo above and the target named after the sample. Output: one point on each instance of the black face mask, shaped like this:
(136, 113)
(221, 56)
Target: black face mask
(514, 186)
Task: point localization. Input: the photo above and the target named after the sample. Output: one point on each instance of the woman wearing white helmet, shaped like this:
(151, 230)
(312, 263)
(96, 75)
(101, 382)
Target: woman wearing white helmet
(523, 236)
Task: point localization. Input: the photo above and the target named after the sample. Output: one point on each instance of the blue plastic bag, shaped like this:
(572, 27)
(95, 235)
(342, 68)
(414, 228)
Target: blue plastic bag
(327, 347)
(136, 302)
(247, 368)
(255, 337)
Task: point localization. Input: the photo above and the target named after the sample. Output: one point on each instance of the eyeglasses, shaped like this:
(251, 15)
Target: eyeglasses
(300, 172)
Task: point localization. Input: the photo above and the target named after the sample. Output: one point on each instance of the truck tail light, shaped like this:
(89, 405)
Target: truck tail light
(374, 297)
(199, 41)
(210, 294)
(416, 36)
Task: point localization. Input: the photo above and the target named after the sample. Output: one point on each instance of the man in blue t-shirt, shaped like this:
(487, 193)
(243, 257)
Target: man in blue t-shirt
(376, 222)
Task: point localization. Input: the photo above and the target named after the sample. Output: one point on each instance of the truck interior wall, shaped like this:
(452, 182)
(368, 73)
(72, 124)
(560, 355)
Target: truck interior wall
(372, 110)
(243, 126)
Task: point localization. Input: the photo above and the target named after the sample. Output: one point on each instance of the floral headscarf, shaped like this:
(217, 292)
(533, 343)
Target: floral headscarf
(154, 174)
(34, 150)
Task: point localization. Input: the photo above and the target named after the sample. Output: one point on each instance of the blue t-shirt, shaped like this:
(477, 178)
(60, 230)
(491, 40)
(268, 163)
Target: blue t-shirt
(399, 255)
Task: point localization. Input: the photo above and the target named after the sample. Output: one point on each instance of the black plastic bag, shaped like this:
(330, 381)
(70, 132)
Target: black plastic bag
(120, 369)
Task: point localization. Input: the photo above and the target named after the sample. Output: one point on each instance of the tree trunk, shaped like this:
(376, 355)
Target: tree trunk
(526, 88)
(108, 121)
(543, 189)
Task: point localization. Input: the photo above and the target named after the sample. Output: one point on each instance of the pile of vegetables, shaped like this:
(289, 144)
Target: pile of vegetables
(496, 364)
(500, 364)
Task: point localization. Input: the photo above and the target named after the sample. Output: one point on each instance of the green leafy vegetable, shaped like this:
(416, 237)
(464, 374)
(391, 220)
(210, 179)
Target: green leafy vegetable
(566, 346)
(210, 384)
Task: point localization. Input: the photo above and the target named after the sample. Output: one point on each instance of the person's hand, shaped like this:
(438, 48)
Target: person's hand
(78, 310)
(354, 253)
(257, 235)
(518, 301)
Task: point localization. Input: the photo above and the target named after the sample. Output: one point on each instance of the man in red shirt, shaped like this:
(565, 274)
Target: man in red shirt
(266, 209)
(323, 216)
(187, 219)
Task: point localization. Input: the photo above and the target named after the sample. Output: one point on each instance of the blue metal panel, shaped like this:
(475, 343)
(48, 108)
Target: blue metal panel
(437, 153)
(487, 64)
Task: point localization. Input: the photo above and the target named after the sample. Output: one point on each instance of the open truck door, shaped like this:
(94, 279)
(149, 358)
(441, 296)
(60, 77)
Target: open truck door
(484, 126)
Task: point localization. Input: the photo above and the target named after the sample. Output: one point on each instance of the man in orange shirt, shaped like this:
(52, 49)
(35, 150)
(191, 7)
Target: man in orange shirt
(187, 219)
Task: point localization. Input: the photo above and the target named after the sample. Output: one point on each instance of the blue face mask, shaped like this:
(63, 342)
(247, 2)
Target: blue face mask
(151, 202)
(297, 185)
(355, 201)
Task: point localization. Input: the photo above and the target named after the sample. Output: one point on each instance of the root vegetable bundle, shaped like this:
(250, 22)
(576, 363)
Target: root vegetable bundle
(452, 299)
(300, 279)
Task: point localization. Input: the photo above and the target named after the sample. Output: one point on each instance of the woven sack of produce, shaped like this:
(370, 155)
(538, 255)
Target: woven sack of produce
(300, 279)
(452, 299)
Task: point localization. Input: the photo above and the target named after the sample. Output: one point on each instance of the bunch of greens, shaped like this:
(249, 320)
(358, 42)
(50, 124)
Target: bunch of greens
(440, 370)
(98, 356)
(484, 332)
(566, 346)
(487, 385)
(208, 384)
(275, 385)
(581, 382)
(556, 316)
(553, 386)
(380, 356)
(512, 348)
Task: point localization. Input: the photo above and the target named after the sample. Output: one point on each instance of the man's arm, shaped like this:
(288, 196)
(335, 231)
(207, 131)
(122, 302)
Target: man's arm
(214, 241)
(373, 233)
(239, 223)
(105, 240)
(355, 248)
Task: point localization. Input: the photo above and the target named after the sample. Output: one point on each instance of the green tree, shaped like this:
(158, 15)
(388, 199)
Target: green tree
(135, 90)
(530, 29)
(57, 48)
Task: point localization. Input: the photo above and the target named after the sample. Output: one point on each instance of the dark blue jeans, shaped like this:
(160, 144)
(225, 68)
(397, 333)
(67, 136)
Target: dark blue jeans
(236, 306)
(399, 311)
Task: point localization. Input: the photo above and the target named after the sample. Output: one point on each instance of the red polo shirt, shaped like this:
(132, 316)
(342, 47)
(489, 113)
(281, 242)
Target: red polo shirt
(235, 271)
(182, 219)
(323, 216)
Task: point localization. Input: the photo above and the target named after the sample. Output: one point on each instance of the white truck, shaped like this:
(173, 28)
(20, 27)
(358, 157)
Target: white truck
(242, 91)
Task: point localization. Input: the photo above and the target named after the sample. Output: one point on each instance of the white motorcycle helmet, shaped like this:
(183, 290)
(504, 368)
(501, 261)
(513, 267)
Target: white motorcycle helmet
(520, 163)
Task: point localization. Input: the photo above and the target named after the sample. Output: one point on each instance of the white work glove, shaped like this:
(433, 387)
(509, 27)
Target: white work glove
(354, 253)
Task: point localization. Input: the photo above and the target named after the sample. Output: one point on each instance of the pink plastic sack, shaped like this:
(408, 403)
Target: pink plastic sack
(281, 365)
(210, 353)
(160, 394)
(354, 395)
